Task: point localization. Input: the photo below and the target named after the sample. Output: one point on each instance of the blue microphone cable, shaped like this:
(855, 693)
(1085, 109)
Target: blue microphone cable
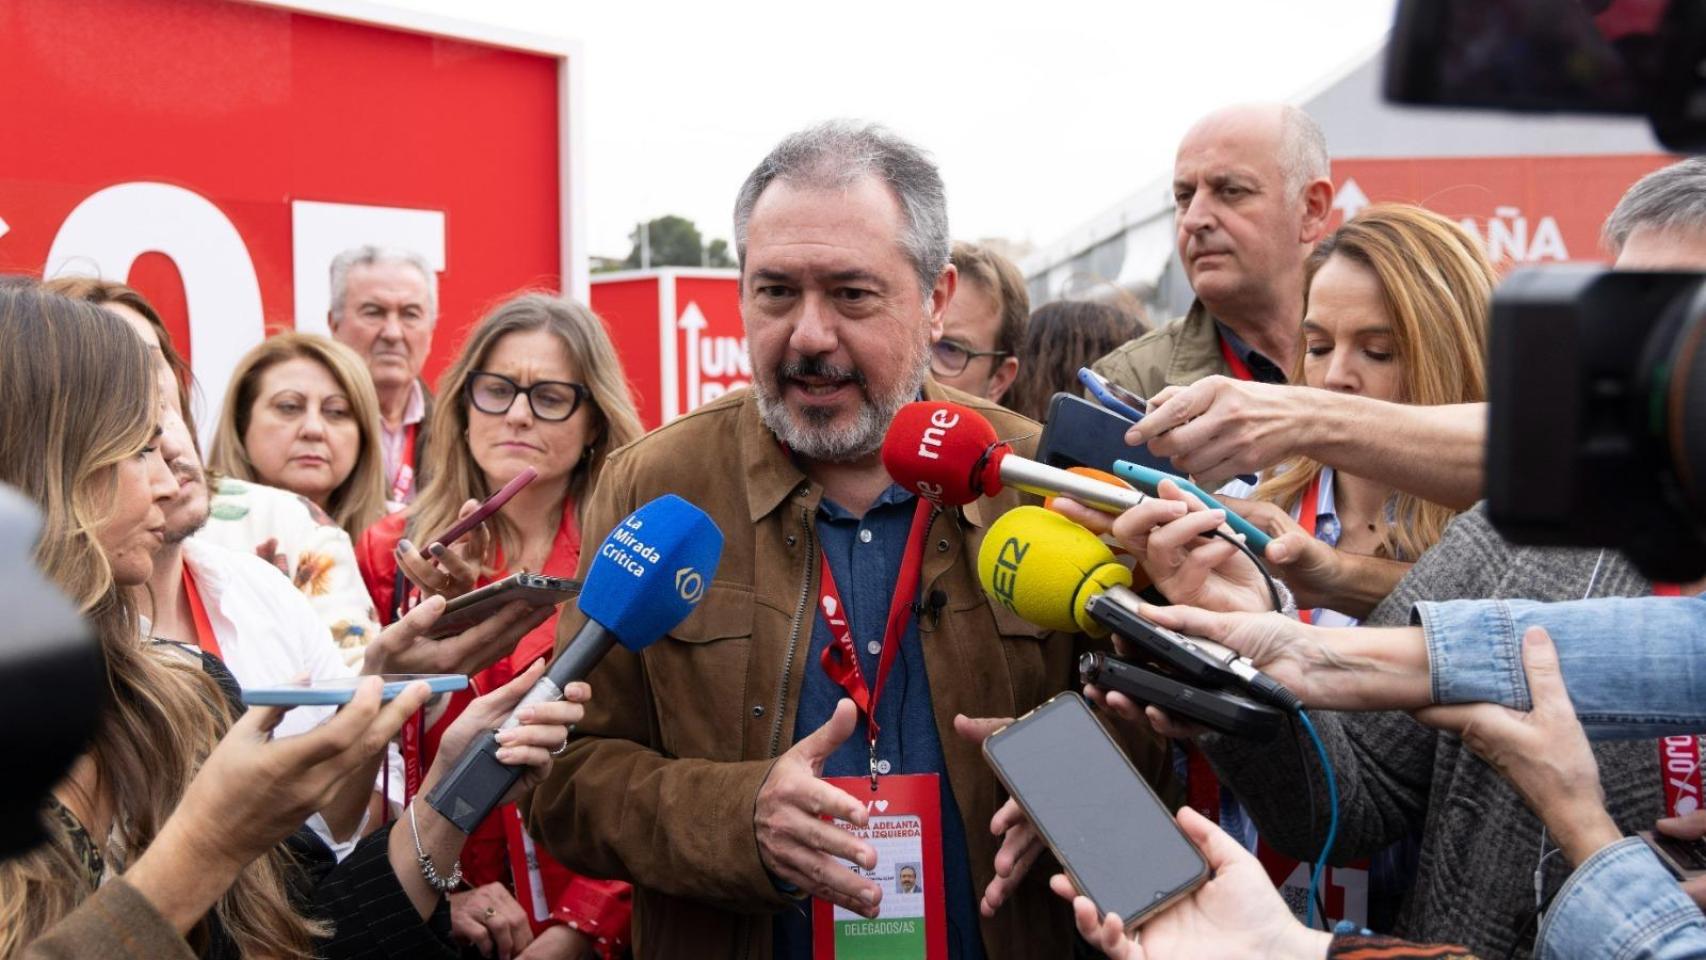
(1333, 814)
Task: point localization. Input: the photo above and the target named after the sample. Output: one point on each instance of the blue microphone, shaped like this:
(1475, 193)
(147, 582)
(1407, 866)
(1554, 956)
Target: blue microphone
(649, 574)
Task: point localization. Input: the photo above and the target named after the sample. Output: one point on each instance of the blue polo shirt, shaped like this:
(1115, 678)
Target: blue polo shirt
(864, 556)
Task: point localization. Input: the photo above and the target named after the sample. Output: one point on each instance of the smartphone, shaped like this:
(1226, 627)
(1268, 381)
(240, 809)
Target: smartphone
(476, 605)
(1685, 859)
(1078, 433)
(342, 689)
(1148, 479)
(493, 503)
(1221, 710)
(1175, 652)
(1113, 396)
(1105, 825)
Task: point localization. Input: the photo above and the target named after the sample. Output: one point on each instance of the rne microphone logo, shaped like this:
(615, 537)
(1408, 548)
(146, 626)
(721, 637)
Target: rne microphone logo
(689, 584)
(941, 421)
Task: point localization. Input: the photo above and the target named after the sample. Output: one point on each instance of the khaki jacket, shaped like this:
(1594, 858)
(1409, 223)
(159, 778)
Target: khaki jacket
(1178, 354)
(659, 784)
(116, 923)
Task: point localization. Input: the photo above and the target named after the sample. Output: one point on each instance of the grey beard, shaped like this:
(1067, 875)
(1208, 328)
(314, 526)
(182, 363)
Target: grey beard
(819, 441)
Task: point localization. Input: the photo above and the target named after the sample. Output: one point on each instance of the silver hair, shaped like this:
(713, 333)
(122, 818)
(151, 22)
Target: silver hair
(837, 153)
(1670, 198)
(1303, 149)
(368, 255)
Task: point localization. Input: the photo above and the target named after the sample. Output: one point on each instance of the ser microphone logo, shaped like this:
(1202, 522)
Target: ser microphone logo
(1005, 578)
(689, 584)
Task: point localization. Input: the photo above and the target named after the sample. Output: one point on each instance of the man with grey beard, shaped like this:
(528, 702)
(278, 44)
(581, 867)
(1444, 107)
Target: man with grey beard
(695, 775)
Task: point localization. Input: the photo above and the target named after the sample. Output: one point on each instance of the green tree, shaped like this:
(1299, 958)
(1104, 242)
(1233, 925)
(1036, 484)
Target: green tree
(717, 254)
(676, 242)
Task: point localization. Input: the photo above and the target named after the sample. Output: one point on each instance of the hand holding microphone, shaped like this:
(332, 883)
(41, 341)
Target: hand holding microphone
(1170, 536)
(1058, 575)
(949, 454)
(648, 575)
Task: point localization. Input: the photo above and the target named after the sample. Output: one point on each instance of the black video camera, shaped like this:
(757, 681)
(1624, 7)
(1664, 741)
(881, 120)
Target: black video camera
(1596, 436)
(52, 680)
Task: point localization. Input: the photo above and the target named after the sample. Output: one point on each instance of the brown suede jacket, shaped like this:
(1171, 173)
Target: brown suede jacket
(659, 784)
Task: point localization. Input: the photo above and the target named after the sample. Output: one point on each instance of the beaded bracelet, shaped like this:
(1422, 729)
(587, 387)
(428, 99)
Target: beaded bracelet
(428, 871)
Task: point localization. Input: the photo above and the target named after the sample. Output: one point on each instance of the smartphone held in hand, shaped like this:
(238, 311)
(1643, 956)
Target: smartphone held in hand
(1110, 832)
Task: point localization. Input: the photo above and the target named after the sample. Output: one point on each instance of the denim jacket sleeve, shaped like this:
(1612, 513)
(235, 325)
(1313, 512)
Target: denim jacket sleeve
(1622, 905)
(1635, 667)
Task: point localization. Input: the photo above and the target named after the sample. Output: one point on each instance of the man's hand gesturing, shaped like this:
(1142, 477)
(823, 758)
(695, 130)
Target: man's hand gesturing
(796, 846)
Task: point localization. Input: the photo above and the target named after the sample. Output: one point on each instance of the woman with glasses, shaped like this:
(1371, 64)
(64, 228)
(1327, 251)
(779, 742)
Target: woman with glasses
(537, 384)
(300, 414)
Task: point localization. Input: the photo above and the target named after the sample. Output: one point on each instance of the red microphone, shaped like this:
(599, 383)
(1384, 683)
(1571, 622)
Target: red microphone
(949, 454)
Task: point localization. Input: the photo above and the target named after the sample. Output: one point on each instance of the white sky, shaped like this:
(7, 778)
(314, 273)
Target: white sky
(1041, 115)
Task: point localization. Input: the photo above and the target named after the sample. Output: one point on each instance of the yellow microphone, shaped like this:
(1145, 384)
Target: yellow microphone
(1045, 568)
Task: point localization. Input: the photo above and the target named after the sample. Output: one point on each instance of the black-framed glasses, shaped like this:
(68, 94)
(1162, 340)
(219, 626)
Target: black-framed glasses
(948, 358)
(553, 400)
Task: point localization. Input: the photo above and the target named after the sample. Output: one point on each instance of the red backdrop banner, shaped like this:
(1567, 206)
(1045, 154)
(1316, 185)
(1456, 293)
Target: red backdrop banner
(217, 154)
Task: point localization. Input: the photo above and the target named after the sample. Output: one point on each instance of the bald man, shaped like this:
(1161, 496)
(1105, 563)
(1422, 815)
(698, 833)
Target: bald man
(1251, 197)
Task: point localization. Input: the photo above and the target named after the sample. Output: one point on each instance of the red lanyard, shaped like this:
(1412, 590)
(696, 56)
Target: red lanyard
(205, 638)
(1234, 362)
(1306, 510)
(1679, 756)
(406, 465)
(841, 658)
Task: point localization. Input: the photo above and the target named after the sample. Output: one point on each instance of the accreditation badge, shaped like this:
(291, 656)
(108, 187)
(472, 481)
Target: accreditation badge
(905, 828)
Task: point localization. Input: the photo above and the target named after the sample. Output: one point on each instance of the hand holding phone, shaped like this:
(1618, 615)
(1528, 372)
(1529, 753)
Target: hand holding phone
(476, 606)
(1148, 479)
(1113, 396)
(341, 690)
(442, 567)
(492, 505)
(1103, 822)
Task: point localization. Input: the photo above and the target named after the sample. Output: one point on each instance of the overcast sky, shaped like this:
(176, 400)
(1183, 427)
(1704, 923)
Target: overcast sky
(1041, 114)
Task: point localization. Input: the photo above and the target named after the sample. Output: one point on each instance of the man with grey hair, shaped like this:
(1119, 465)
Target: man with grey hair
(384, 307)
(1251, 196)
(1660, 224)
(696, 774)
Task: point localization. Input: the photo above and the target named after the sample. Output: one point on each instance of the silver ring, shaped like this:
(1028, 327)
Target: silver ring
(562, 748)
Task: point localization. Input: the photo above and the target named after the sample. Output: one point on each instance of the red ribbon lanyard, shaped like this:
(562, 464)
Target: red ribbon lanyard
(406, 465)
(1306, 519)
(205, 638)
(1202, 787)
(841, 658)
(1234, 362)
(1679, 756)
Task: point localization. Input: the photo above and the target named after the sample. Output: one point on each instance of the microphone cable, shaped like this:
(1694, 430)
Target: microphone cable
(1271, 690)
(1261, 568)
(1332, 818)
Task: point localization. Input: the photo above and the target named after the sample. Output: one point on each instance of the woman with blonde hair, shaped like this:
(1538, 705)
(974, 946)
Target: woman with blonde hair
(1396, 308)
(164, 838)
(537, 384)
(284, 528)
(301, 413)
